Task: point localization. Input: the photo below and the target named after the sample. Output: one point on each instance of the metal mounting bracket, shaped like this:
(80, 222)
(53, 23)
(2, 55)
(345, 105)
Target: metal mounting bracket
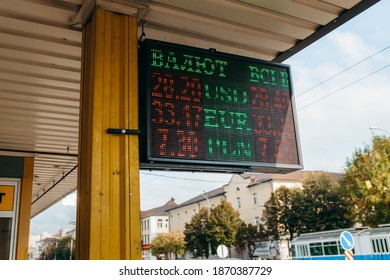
(124, 131)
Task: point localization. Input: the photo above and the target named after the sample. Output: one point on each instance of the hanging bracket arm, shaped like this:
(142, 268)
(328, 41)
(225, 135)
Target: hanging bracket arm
(124, 131)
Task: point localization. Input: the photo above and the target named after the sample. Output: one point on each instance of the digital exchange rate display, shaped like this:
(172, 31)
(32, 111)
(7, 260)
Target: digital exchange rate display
(212, 111)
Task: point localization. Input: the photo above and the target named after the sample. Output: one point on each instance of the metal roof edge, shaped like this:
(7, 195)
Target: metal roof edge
(329, 27)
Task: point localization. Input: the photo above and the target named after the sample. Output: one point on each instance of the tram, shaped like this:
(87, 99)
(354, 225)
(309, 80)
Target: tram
(370, 244)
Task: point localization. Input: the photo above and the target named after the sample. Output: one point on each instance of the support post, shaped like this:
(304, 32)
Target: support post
(23, 233)
(108, 212)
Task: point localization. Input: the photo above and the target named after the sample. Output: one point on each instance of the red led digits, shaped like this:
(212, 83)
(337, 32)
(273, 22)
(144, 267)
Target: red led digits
(259, 98)
(176, 114)
(192, 90)
(273, 125)
(188, 144)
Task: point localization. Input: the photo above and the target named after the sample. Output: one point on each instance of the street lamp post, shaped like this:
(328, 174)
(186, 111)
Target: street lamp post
(207, 199)
(208, 209)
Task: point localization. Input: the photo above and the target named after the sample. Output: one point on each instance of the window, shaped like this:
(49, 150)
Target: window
(238, 202)
(255, 199)
(159, 223)
(178, 217)
(293, 251)
(301, 250)
(316, 249)
(380, 245)
(257, 221)
(331, 248)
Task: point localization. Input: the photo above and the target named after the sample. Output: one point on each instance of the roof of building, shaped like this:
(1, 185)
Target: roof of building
(256, 178)
(159, 211)
(214, 193)
(296, 176)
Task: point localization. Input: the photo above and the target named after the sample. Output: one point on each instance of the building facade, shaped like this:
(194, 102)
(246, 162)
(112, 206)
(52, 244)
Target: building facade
(248, 193)
(153, 222)
(182, 214)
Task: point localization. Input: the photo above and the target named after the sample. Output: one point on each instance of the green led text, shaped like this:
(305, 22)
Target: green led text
(227, 120)
(220, 147)
(268, 76)
(226, 94)
(189, 63)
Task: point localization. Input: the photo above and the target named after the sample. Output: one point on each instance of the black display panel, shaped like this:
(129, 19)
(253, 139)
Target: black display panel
(205, 110)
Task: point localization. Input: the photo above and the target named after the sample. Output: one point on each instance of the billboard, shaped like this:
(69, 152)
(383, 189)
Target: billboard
(205, 110)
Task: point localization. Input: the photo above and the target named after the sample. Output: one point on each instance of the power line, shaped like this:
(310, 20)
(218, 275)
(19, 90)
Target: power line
(345, 70)
(185, 179)
(340, 89)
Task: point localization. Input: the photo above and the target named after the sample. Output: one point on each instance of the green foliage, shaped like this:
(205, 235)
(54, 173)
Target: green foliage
(323, 206)
(209, 229)
(222, 225)
(282, 213)
(168, 243)
(317, 206)
(249, 236)
(58, 249)
(367, 181)
(195, 234)
(63, 249)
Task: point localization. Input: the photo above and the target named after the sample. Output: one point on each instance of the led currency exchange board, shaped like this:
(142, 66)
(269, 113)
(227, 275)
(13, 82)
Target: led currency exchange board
(205, 110)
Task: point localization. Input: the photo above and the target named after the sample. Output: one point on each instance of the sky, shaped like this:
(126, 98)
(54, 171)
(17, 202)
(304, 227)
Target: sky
(341, 85)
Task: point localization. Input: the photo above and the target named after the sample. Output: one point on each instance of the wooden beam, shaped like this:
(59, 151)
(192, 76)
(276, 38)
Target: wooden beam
(108, 219)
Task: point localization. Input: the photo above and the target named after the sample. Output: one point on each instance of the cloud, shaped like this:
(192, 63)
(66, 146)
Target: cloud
(53, 219)
(349, 46)
(70, 200)
(158, 187)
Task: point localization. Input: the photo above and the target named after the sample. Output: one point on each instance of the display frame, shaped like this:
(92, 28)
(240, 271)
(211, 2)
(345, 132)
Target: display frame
(148, 158)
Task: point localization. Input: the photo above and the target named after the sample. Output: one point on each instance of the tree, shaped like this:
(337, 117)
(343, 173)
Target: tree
(317, 206)
(209, 229)
(282, 213)
(195, 234)
(63, 249)
(367, 181)
(222, 226)
(168, 243)
(58, 249)
(248, 237)
(323, 206)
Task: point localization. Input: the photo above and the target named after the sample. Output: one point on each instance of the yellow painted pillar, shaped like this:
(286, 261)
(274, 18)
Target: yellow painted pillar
(108, 212)
(23, 230)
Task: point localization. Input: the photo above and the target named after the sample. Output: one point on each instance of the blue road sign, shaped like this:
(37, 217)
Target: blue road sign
(347, 241)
